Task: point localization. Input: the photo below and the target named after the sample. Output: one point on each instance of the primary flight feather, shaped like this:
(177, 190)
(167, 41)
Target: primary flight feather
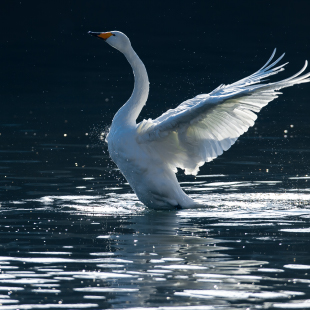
(197, 131)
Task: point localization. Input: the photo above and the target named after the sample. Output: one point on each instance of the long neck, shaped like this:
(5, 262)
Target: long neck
(129, 112)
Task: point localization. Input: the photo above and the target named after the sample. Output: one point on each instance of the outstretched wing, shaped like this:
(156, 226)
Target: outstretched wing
(201, 128)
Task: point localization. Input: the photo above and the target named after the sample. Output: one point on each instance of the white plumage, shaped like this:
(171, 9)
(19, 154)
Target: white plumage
(197, 131)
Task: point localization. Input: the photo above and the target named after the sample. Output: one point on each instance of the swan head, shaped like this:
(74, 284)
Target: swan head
(116, 39)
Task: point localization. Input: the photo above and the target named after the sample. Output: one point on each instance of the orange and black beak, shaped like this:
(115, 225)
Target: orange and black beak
(101, 35)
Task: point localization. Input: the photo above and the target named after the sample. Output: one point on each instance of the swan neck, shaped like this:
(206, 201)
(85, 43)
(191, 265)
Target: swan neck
(129, 112)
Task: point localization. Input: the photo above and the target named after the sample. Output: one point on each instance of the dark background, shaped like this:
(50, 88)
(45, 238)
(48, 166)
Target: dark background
(56, 76)
(55, 79)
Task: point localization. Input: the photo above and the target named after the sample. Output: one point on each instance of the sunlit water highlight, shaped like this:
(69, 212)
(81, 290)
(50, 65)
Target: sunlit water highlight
(242, 250)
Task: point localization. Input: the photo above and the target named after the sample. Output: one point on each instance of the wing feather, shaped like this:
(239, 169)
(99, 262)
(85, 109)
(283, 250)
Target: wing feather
(201, 128)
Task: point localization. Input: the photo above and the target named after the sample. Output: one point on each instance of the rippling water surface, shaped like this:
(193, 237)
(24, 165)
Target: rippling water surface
(73, 235)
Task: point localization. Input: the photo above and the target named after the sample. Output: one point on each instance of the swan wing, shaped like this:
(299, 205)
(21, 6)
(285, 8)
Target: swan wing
(201, 128)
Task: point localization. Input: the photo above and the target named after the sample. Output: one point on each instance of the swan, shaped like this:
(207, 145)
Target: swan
(197, 131)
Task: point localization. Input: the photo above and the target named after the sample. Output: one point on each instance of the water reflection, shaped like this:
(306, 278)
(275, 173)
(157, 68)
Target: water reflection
(244, 250)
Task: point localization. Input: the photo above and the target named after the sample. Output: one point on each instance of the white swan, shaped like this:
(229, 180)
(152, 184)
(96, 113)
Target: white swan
(197, 131)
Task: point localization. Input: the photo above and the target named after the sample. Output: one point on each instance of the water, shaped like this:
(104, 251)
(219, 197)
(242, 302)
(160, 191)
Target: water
(89, 252)
(73, 234)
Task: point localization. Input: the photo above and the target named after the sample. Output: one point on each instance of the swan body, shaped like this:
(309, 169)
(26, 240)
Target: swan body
(197, 131)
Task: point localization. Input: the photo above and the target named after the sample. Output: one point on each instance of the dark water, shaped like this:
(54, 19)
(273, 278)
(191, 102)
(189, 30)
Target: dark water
(73, 234)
